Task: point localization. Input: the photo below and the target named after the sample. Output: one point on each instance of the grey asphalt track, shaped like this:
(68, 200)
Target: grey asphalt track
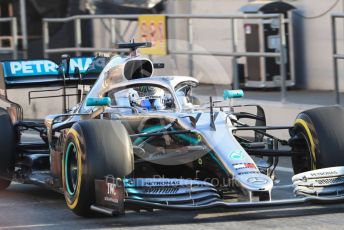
(30, 207)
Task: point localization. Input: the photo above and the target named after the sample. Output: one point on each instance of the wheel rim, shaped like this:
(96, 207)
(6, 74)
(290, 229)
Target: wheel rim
(303, 163)
(71, 168)
(309, 158)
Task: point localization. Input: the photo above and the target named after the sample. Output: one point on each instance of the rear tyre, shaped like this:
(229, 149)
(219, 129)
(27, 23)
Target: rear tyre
(93, 150)
(4, 184)
(7, 147)
(318, 132)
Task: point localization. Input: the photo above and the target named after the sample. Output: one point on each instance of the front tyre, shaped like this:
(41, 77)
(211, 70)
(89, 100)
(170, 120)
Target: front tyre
(319, 133)
(93, 150)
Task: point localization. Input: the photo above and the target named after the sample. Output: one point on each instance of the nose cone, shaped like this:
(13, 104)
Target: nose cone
(231, 154)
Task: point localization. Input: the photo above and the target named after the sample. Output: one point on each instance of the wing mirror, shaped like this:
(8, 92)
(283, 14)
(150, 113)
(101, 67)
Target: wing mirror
(229, 94)
(104, 101)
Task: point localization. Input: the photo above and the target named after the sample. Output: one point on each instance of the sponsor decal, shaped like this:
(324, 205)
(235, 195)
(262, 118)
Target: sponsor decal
(236, 155)
(29, 68)
(249, 172)
(250, 165)
(244, 166)
(111, 199)
(173, 190)
(239, 166)
(325, 173)
(45, 67)
(111, 191)
(161, 183)
(110, 194)
(257, 180)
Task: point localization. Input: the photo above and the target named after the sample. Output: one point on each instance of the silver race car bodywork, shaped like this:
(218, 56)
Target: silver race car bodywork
(218, 139)
(216, 130)
(187, 155)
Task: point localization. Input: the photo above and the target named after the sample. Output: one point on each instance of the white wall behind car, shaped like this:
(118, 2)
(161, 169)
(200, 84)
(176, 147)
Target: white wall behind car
(313, 25)
(314, 67)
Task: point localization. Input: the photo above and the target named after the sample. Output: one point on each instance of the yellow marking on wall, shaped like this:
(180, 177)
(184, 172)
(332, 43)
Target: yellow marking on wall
(152, 28)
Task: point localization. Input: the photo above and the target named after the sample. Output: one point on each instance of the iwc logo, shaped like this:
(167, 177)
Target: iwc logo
(111, 189)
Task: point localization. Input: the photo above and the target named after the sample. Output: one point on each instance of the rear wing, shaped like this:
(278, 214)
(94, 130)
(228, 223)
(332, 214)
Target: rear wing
(71, 73)
(39, 73)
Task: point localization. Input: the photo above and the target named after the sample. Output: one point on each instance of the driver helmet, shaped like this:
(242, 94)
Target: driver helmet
(149, 97)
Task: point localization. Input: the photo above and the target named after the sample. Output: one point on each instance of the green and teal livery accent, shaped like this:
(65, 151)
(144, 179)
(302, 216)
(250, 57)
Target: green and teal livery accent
(69, 168)
(187, 138)
(104, 101)
(229, 94)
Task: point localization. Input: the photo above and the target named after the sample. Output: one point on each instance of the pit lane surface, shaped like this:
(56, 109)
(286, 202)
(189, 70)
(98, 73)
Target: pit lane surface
(31, 207)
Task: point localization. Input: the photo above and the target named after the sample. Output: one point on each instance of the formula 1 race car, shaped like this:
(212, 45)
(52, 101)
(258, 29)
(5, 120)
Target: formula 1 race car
(140, 141)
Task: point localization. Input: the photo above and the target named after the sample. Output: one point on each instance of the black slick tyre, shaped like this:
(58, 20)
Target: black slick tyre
(318, 132)
(93, 150)
(7, 146)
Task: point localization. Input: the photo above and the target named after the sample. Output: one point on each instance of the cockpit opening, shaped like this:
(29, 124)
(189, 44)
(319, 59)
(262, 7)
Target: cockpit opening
(144, 96)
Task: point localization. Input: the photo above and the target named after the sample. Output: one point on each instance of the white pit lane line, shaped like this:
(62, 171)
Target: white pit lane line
(282, 186)
(28, 226)
(27, 203)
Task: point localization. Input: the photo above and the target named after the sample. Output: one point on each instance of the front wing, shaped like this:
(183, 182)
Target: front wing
(322, 186)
